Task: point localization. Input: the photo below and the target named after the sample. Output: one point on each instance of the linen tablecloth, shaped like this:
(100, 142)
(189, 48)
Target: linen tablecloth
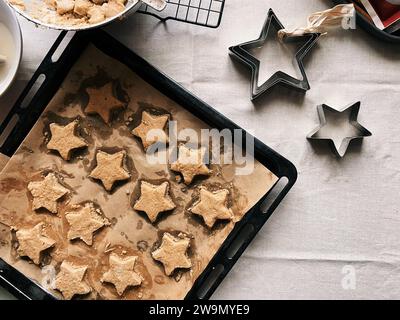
(337, 234)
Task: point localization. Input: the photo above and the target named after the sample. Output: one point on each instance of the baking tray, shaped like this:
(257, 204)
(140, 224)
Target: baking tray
(371, 28)
(24, 115)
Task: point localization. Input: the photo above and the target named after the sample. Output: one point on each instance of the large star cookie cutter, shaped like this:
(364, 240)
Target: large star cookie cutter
(346, 124)
(243, 53)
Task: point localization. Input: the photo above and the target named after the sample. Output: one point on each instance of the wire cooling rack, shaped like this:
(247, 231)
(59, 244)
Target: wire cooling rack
(206, 13)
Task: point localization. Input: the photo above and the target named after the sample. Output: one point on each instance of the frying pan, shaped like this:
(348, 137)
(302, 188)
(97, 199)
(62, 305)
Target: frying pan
(130, 7)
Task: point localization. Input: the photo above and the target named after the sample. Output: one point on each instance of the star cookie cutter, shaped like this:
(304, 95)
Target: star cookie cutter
(243, 53)
(339, 145)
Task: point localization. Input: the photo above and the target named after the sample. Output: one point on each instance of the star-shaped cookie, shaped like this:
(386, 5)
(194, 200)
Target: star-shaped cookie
(103, 102)
(151, 129)
(190, 163)
(69, 280)
(46, 193)
(110, 168)
(121, 273)
(64, 139)
(154, 199)
(32, 242)
(84, 221)
(212, 206)
(172, 253)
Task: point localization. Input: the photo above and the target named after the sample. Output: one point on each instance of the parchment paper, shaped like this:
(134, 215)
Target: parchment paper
(130, 231)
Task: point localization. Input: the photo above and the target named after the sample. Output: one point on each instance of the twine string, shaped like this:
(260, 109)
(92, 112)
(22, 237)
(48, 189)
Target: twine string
(322, 21)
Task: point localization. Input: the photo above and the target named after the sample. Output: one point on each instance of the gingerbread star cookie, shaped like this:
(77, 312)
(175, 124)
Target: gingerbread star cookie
(172, 253)
(154, 199)
(32, 242)
(212, 206)
(84, 221)
(64, 139)
(121, 273)
(69, 280)
(190, 163)
(47, 193)
(102, 102)
(151, 129)
(110, 168)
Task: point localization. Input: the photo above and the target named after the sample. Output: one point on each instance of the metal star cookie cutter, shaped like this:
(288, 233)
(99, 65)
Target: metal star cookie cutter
(339, 145)
(242, 52)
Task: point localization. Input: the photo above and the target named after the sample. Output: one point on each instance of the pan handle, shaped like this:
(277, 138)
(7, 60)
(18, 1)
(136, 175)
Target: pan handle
(158, 5)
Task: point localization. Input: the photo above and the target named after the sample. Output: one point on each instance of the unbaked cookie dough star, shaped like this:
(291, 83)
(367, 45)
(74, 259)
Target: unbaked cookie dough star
(84, 221)
(32, 242)
(212, 206)
(109, 168)
(103, 102)
(154, 199)
(190, 163)
(172, 253)
(121, 273)
(69, 280)
(64, 139)
(46, 193)
(151, 129)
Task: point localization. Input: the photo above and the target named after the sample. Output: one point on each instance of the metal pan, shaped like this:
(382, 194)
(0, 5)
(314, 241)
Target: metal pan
(131, 7)
(13, 132)
(369, 27)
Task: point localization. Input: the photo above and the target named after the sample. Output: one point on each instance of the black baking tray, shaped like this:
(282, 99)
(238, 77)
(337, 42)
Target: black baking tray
(23, 116)
(371, 28)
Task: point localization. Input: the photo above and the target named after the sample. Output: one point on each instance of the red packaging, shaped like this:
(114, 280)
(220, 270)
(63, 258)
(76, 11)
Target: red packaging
(384, 13)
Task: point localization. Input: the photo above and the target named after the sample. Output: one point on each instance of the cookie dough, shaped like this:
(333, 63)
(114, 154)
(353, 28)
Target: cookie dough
(110, 168)
(190, 163)
(87, 11)
(151, 129)
(64, 139)
(212, 206)
(84, 221)
(32, 242)
(47, 193)
(154, 199)
(172, 253)
(69, 280)
(121, 273)
(102, 102)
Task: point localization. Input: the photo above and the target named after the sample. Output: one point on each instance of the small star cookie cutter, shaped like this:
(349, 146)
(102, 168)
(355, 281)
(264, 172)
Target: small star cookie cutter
(243, 53)
(356, 131)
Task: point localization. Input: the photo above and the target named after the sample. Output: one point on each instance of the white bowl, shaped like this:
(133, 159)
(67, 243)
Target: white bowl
(9, 20)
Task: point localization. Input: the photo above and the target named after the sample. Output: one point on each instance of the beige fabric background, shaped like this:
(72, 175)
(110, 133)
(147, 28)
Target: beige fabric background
(341, 213)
